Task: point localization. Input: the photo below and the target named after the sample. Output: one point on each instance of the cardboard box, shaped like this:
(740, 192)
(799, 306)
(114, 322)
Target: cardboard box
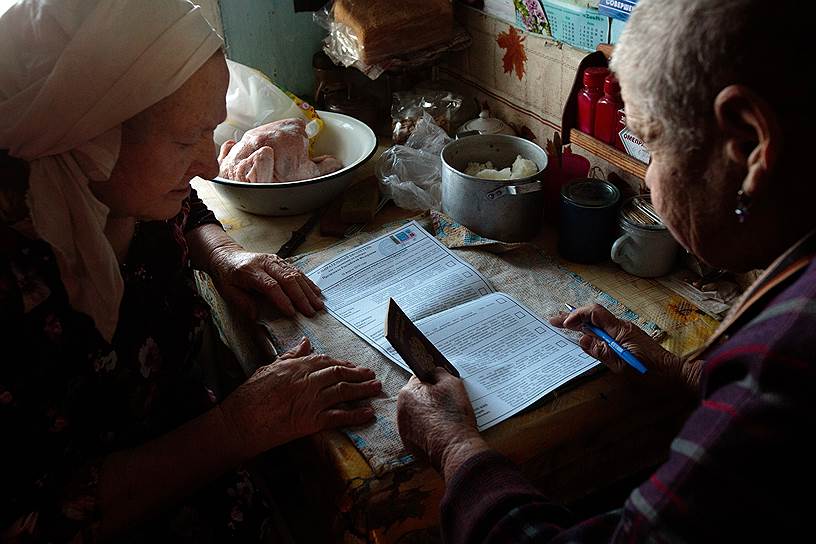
(634, 146)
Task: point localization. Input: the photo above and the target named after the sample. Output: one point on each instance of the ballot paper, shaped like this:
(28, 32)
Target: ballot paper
(507, 356)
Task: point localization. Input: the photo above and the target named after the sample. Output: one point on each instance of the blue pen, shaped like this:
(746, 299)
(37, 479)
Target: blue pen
(622, 352)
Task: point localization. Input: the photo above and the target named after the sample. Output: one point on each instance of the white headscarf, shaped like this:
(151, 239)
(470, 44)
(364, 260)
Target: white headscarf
(71, 71)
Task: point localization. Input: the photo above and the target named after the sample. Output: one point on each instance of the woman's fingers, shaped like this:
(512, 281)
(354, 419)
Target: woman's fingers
(574, 320)
(444, 378)
(598, 349)
(315, 289)
(558, 319)
(312, 292)
(603, 318)
(433, 417)
(594, 314)
(339, 371)
(270, 288)
(348, 391)
(314, 362)
(291, 281)
(577, 319)
(282, 283)
(292, 287)
(303, 348)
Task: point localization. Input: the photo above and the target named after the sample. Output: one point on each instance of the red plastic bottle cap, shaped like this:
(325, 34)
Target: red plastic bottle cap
(594, 76)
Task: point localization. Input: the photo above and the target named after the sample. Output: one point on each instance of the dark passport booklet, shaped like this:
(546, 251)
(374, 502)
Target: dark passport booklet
(416, 350)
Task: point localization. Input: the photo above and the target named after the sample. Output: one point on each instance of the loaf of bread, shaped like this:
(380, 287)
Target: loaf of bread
(386, 28)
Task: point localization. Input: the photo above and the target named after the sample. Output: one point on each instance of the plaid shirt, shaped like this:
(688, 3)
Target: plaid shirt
(741, 468)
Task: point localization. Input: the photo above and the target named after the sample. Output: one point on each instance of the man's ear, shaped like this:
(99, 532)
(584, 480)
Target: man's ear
(750, 132)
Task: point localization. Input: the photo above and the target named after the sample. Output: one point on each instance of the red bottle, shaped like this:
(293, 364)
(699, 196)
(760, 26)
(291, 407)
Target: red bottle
(589, 96)
(606, 110)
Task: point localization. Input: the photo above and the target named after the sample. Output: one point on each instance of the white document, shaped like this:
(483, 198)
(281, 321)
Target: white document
(507, 356)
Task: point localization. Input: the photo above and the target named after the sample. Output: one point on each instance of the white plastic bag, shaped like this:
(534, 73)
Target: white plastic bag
(253, 100)
(411, 174)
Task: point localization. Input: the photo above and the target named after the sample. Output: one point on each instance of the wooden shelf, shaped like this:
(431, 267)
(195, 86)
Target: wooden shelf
(608, 153)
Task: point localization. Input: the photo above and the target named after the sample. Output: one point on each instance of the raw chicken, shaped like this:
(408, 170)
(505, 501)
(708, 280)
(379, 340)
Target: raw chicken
(274, 152)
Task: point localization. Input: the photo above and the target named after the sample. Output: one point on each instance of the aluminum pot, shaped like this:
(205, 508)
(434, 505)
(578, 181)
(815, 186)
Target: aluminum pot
(506, 210)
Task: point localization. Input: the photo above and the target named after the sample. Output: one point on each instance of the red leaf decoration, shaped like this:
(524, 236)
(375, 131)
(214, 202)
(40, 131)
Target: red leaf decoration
(515, 56)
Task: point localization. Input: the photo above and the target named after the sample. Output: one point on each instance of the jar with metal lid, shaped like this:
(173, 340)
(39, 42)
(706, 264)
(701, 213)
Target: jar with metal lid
(644, 247)
(587, 220)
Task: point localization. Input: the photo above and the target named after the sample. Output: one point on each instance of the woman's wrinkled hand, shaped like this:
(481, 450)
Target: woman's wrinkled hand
(297, 395)
(437, 421)
(631, 337)
(240, 275)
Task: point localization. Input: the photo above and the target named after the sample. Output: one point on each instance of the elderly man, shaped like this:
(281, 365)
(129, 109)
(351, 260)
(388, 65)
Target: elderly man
(715, 89)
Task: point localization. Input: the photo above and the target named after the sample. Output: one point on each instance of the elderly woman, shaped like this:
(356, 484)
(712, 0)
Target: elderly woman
(108, 109)
(718, 99)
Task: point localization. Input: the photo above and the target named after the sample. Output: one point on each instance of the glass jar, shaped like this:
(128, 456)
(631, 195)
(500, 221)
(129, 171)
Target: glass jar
(588, 97)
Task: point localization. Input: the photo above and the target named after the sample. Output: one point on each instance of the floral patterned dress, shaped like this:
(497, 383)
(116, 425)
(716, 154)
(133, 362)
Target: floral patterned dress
(68, 398)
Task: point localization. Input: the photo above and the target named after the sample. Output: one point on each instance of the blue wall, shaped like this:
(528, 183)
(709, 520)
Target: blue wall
(270, 36)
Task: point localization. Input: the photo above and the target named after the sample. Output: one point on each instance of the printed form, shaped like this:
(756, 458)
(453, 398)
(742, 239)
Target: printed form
(507, 356)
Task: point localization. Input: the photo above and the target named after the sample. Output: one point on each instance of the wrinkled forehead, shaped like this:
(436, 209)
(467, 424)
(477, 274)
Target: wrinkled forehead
(201, 100)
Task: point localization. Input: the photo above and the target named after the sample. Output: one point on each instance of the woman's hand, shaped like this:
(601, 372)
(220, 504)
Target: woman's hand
(631, 337)
(297, 395)
(240, 275)
(436, 420)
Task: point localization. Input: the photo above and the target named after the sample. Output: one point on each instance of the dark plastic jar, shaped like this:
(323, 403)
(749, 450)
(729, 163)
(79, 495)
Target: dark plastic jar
(606, 110)
(588, 97)
(588, 220)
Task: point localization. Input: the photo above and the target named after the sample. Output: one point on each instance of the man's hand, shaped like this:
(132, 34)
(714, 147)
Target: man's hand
(436, 420)
(297, 395)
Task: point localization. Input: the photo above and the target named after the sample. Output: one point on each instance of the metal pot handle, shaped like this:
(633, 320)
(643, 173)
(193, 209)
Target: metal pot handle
(523, 189)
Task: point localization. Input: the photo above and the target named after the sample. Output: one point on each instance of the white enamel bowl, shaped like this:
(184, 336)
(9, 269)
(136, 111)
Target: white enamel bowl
(345, 137)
